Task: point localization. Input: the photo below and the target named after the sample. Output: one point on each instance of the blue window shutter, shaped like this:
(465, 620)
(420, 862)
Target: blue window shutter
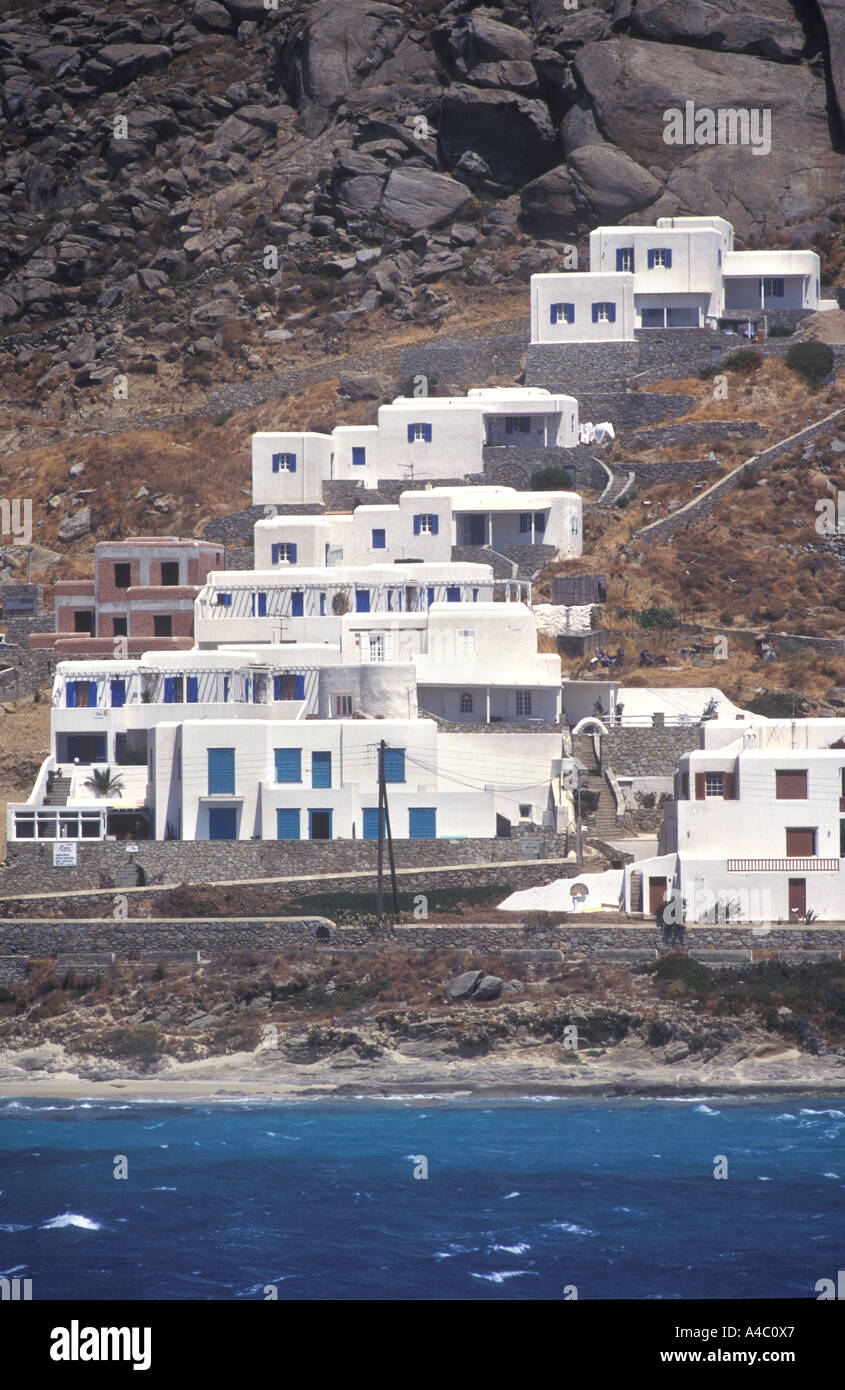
(410, 434)
(118, 693)
(193, 690)
(435, 525)
(553, 313)
(321, 770)
(274, 554)
(651, 260)
(524, 522)
(428, 434)
(394, 764)
(417, 525)
(277, 462)
(595, 313)
(70, 694)
(221, 771)
(277, 687)
(612, 311)
(620, 259)
(359, 456)
(430, 594)
(292, 554)
(422, 823)
(668, 260)
(569, 310)
(288, 764)
(453, 594)
(291, 463)
(362, 600)
(287, 823)
(297, 602)
(299, 687)
(539, 521)
(169, 690)
(371, 822)
(378, 540)
(262, 605)
(92, 694)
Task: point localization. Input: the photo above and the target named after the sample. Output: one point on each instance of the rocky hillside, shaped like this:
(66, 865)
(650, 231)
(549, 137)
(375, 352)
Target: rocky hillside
(346, 156)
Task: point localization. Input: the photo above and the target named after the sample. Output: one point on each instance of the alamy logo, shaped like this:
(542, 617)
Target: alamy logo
(722, 125)
(77, 1343)
(15, 1290)
(16, 519)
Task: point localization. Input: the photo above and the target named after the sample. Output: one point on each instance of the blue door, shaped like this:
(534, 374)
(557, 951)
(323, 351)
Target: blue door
(223, 823)
(371, 822)
(362, 600)
(287, 823)
(297, 603)
(319, 825)
(321, 769)
(422, 823)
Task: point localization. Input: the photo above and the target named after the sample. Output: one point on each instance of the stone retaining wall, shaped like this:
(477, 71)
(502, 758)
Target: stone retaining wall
(217, 936)
(466, 362)
(648, 752)
(29, 866)
(668, 470)
(691, 432)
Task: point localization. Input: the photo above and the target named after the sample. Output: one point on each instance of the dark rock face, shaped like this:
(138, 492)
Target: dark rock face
(513, 135)
(768, 27)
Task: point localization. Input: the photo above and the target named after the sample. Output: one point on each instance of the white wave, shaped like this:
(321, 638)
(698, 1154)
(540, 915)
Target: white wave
(512, 1249)
(70, 1218)
(508, 1196)
(830, 1175)
(705, 1110)
(501, 1275)
(835, 1114)
(12, 1228)
(572, 1228)
(165, 1189)
(764, 1179)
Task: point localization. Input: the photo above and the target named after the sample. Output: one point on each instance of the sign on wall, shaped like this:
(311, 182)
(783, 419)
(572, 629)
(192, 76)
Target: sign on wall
(64, 853)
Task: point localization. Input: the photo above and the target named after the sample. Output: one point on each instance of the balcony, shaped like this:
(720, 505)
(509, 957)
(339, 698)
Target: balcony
(809, 865)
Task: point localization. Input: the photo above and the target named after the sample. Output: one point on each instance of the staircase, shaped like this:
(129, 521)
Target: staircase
(598, 804)
(58, 793)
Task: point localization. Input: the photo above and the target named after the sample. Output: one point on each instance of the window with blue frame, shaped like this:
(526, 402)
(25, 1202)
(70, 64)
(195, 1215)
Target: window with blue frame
(289, 687)
(624, 258)
(283, 553)
(419, 434)
(604, 312)
(422, 823)
(773, 289)
(224, 600)
(221, 772)
(371, 823)
(288, 764)
(562, 313)
(193, 690)
(426, 524)
(359, 455)
(660, 258)
(321, 769)
(81, 695)
(259, 605)
(118, 693)
(287, 823)
(378, 539)
(284, 463)
(394, 764)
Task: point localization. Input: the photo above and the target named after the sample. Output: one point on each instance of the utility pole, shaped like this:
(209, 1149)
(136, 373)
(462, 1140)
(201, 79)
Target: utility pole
(579, 847)
(384, 824)
(380, 871)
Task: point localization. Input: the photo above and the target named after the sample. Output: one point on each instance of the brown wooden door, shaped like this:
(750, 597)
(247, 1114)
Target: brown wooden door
(656, 893)
(798, 896)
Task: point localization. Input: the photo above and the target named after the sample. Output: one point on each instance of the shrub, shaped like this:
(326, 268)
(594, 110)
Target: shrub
(551, 479)
(657, 618)
(781, 330)
(646, 800)
(743, 361)
(726, 618)
(812, 361)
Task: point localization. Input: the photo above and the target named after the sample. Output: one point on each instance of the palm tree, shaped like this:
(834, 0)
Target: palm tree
(104, 783)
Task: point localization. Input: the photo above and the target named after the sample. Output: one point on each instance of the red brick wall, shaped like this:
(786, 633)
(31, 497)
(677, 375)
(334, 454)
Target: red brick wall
(106, 590)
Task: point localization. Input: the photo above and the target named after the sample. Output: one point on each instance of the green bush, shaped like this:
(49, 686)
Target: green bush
(551, 479)
(726, 618)
(781, 331)
(743, 361)
(812, 361)
(657, 618)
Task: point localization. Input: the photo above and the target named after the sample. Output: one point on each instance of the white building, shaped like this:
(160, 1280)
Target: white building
(681, 273)
(423, 525)
(287, 604)
(280, 743)
(426, 437)
(756, 832)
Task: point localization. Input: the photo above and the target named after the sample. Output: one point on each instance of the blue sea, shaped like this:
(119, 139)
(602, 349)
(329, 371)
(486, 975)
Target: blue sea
(523, 1199)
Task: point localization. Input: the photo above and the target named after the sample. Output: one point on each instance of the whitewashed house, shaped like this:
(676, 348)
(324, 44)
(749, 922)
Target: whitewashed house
(278, 743)
(416, 437)
(423, 525)
(681, 273)
(287, 604)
